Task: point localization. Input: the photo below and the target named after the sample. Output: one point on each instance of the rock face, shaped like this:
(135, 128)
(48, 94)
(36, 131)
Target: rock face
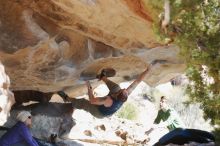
(45, 45)
(179, 81)
(6, 96)
(30, 95)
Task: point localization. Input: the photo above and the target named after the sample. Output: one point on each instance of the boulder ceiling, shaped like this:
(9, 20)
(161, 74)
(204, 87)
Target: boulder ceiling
(46, 44)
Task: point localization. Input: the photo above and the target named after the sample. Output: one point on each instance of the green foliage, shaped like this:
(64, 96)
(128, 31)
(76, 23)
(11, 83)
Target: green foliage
(217, 136)
(195, 27)
(128, 111)
(199, 40)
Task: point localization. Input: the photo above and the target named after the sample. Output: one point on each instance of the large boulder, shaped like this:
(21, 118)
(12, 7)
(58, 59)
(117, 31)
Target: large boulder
(45, 45)
(6, 96)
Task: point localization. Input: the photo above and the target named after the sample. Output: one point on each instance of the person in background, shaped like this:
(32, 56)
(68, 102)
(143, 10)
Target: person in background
(19, 134)
(167, 117)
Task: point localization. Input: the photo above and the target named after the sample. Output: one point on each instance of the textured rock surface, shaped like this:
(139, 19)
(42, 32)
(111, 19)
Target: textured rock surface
(45, 45)
(6, 96)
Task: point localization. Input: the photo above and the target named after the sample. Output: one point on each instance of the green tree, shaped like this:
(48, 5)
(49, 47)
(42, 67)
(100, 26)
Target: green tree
(195, 28)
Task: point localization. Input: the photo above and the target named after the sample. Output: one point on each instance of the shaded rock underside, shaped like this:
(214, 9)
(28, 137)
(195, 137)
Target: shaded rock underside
(45, 45)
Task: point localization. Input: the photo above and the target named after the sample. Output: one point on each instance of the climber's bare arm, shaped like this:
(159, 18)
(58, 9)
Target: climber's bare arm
(138, 80)
(106, 101)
